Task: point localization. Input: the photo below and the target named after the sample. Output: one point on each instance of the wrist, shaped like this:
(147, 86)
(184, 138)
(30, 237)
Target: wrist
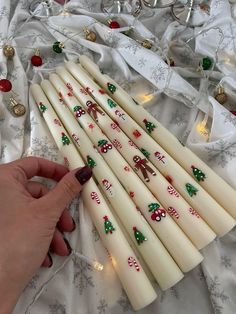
(10, 290)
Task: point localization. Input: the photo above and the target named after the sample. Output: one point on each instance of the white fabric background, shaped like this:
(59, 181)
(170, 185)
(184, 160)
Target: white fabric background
(171, 95)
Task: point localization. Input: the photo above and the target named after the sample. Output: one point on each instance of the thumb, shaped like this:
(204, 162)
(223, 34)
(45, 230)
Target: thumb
(66, 190)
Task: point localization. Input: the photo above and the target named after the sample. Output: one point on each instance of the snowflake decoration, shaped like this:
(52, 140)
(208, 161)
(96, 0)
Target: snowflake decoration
(124, 302)
(43, 147)
(221, 152)
(229, 118)
(102, 306)
(3, 148)
(217, 295)
(226, 262)
(178, 118)
(217, 3)
(4, 12)
(33, 283)
(158, 73)
(229, 41)
(132, 46)
(142, 62)
(57, 308)
(81, 278)
(172, 291)
(19, 131)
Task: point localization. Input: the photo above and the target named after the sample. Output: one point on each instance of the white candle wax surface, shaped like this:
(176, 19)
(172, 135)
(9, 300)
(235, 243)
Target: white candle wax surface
(152, 250)
(186, 255)
(134, 280)
(185, 157)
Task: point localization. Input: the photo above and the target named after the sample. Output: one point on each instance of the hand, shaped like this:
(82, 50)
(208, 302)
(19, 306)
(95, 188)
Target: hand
(29, 215)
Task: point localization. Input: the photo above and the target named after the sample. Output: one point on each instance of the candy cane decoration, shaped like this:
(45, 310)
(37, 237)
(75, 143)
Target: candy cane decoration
(173, 212)
(172, 191)
(95, 197)
(194, 212)
(132, 262)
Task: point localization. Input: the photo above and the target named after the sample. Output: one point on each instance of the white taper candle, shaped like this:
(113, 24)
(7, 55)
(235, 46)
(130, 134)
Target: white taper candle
(132, 276)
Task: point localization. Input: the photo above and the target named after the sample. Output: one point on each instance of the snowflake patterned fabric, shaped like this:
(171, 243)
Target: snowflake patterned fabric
(171, 95)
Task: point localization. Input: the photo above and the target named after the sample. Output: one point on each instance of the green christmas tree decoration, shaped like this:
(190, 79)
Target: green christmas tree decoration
(102, 142)
(91, 163)
(108, 225)
(149, 126)
(198, 174)
(111, 88)
(42, 107)
(191, 189)
(140, 238)
(206, 63)
(57, 47)
(65, 139)
(111, 103)
(145, 152)
(153, 207)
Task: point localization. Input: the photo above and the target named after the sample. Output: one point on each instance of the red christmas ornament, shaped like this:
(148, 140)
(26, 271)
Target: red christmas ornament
(5, 85)
(233, 112)
(114, 24)
(36, 61)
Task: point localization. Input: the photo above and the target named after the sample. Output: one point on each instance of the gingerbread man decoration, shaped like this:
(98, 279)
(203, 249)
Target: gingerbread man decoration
(93, 109)
(141, 164)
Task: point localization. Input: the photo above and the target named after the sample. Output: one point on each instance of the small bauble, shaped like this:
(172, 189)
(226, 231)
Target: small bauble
(206, 63)
(113, 24)
(221, 98)
(5, 85)
(8, 51)
(19, 110)
(146, 44)
(36, 61)
(171, 62)
(220, 95)
(58, 46)
(204, 7)
(91, 36)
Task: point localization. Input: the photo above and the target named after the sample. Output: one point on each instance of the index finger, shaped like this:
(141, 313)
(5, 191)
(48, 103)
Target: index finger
(35, 166)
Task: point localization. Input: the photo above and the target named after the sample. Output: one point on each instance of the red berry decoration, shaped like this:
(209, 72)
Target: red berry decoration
(114, 24)
(36, 61)
(5, 85)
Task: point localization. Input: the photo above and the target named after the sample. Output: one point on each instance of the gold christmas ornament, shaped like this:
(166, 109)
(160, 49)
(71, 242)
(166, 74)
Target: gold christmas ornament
(146, 44)
(220, 95)
(8, 51)
(17, 108)
(90, 35)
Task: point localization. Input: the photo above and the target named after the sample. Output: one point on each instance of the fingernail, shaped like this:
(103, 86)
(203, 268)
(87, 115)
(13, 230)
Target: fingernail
(83, 174)
(68, 246)
(51, 261)
(74, 225)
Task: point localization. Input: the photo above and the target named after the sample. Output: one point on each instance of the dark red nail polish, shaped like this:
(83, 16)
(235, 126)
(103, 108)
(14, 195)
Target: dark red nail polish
(50, 261)
(83, 174)
(68, 246)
